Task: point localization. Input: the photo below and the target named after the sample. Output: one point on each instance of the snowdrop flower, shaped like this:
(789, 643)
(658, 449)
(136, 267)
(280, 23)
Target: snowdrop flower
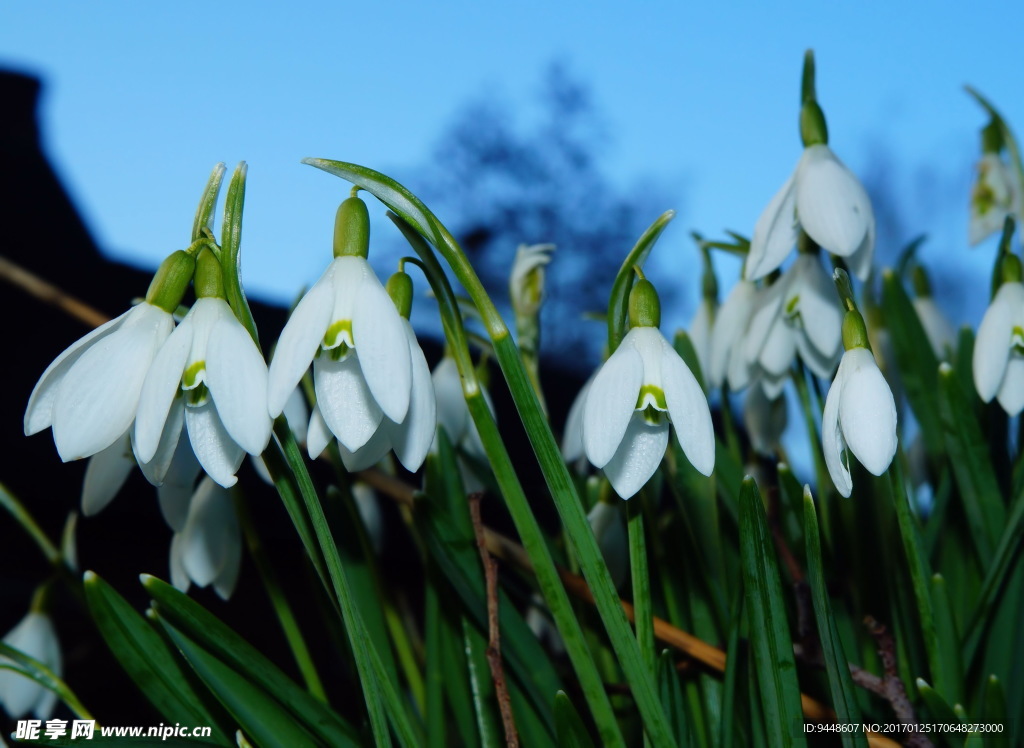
(799, 313)
(213, 365)
(643, 386)
(826, 200)
(860, 414)
(453, 415)
(348, 327)
(728, 362)
(208, 549)
(996, 193)
(35, 636)
(999, 348)
(89, 394)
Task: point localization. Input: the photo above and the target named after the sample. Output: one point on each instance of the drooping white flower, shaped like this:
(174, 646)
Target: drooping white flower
(859, 418)
(410, 439)
(364, 368)
(89, 394)
(641, 388)
(728, 363)
(798, 313)
(996, 193)
(828, 202)
(214, 363)
(208, 549)
(937, 328)
(35, 636)
(999, 350)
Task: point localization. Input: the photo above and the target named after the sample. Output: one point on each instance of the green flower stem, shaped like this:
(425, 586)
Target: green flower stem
(526, 523)
(231, 241)
(279, 601)
(643, 610)
(27, 521)
(406, 656)
(556, 474)
(378, 689)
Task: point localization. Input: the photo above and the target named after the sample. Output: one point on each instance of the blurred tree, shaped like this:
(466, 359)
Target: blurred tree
(498, 184)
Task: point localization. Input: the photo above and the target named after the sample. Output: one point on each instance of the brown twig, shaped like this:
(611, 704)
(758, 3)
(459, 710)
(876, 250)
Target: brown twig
(50, 294)
(493, 631)
(892, 684)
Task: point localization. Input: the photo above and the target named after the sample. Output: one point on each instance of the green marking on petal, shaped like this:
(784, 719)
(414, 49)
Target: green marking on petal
(654, 417)
(792, 306)
(339, 352)
(651, 396)
(193, 375)
(198, 395)
(338, 333)
(1017, 340)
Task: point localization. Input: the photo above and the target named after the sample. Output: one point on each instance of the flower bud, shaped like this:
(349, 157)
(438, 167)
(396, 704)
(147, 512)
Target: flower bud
(352, 229)
(644, 306)
(526, 283)
(171, 281)
(209, 282)
(399, 288)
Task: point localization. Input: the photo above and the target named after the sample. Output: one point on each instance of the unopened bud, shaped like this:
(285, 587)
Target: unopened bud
(209, 282)
(644, 306)
(171, 281)
(399, 287)
(352, 229)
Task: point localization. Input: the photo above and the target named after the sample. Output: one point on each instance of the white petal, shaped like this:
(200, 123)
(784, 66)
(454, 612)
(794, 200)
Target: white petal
(163, 381)
(97, 400)
(774, 233)
(452, 412)
(297, 414)
(611, 402)
(35, 636)
(179, 577)
(867, 412)
(728, 329)
(821, 315)
(213, 446)
(367, 455)
(831, 204)
(345, 401)
(779, 349)
(157, 467)
(860, 261)
(765, 420)
(368, 507)
(765, 314)
(299, 341)
(606, 521)
(772, 386)
(638, 456)
(832, 443)
(237, 377)
(471, 443)
(992, 346)
(1011, 394)
(175, 493)
(211, 533)
(226, 581)
(411, 439)
(820, 365)
(700, 334)
(105, 475)
(936, 326)
(383, 348)
(39, 413)
(689, 411)
(572, 439)
(318, 436)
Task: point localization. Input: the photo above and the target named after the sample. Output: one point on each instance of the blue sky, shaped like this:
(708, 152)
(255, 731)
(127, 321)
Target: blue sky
(143, 98)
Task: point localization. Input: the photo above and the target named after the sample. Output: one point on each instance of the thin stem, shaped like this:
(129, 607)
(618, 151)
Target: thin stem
(50, 294)
(28, 523)
(279, 601)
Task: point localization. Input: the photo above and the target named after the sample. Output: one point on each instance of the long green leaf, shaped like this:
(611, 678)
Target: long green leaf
(771, 643)
(259, 715)
(231, 244)
(210, 633)
(844, 697)
(154, 667)
(672, 696)
(207, 202)
(572, 733)
(968, 453)
(31, 668)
